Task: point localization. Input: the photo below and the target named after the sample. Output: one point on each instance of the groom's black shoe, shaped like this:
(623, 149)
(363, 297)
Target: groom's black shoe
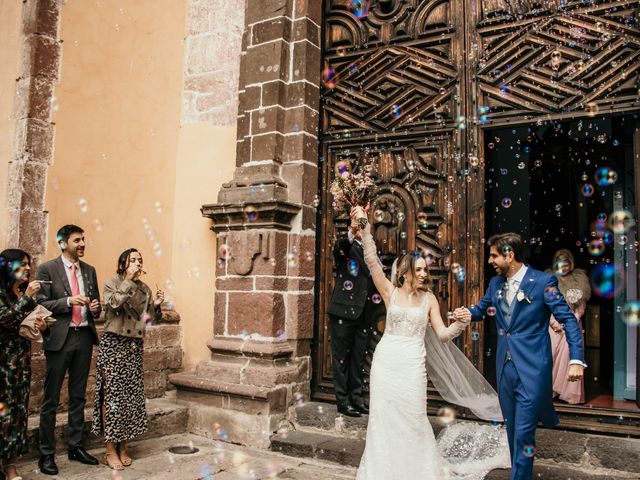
(362, 408)
(79, 454)
(349, 411)
(47, 465)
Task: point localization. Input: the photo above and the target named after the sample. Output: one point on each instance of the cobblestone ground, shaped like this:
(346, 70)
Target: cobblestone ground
(213, 461)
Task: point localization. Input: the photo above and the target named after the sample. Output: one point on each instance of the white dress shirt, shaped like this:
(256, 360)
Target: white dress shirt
(67, 268)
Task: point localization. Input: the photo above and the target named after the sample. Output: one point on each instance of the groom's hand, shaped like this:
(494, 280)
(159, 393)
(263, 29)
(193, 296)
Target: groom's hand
(462, 314)
(575, 372)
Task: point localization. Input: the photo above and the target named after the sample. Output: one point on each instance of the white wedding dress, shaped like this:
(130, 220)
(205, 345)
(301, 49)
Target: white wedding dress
(400, 441)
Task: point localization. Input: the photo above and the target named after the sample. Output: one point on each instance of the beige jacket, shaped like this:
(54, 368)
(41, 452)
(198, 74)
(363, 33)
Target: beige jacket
(128, 307)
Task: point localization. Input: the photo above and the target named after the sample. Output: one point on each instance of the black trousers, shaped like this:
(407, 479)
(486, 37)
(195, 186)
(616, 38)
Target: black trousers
(349, 339)
(74, 357)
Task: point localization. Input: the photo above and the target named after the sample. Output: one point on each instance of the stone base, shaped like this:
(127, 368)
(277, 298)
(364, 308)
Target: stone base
(165, 417)
(242, 414)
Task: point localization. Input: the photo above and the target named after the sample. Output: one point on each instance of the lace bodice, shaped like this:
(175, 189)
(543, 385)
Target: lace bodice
(406, 321)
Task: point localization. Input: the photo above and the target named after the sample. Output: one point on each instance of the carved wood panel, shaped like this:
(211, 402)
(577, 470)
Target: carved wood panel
(391, 92)
(552, 59)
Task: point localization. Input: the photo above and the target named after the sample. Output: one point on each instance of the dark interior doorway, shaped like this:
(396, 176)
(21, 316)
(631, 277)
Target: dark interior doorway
(557, 184)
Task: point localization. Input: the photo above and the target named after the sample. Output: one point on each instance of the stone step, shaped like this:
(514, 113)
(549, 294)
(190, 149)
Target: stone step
(555, 446)
(166, 417)
(348, 451)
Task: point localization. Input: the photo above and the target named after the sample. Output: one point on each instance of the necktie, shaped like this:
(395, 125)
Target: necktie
(76, 310)
(511, 290)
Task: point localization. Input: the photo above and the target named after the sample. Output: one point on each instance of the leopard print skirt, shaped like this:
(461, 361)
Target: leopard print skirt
(120, 389)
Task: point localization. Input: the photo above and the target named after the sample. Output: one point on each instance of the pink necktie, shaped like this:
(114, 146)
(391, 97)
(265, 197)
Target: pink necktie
(76, 310)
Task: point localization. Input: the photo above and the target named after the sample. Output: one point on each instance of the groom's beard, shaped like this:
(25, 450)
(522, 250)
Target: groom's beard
(501, 271)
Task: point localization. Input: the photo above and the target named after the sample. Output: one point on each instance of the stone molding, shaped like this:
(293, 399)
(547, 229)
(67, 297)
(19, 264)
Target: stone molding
(275, 215)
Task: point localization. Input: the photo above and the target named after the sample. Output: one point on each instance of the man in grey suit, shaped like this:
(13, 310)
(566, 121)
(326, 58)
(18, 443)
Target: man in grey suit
(70, 291)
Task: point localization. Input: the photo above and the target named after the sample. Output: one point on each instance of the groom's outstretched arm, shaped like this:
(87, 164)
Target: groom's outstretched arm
(563, 314)
(479, 310)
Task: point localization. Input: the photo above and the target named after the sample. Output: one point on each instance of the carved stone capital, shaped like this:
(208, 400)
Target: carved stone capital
(273, 214)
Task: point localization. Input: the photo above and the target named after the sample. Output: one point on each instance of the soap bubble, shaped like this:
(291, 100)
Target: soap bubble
(360, 8)
(224, 252)
(157, 207)
(587, 190)
(376, 298)
(491, 311)
(353, 267)
(605, 176)
(348, 285)
(83, 205)
(529, 451)
(343, 168)
(621, 221)
(607, 280)
(506, 202)
(446, 415)
(631, 313)
(596, 247)
(97, 225)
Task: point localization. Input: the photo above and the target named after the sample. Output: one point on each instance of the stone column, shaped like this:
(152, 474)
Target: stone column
(33, 143)
(264, 219)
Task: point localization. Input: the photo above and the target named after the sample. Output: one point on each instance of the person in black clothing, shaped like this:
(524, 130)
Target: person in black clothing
(349, 323)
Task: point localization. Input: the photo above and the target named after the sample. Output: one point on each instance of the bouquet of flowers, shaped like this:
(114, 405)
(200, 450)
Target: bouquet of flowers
(352, 189)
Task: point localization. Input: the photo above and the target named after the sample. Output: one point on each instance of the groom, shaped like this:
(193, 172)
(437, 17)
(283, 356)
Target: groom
(523, 300)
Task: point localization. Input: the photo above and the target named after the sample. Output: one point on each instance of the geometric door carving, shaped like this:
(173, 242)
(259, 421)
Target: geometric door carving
(413, 84)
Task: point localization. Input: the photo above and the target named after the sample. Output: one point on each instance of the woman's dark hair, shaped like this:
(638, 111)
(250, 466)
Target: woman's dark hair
(123, 261)
(8, 259)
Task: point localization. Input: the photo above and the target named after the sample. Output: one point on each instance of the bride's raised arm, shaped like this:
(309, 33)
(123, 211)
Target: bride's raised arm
(384, 286)
(443, 333)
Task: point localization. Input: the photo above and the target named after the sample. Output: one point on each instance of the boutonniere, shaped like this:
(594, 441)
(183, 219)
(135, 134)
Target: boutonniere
(521, 296)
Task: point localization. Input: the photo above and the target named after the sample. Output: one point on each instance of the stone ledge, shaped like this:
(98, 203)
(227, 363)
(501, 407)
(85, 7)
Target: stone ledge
(348, 451)
(270, 214)
(165, 416)
(250, 348)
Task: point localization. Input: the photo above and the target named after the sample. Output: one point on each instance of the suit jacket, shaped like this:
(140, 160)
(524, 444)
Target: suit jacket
(526, 335)
(54, 296)
(349, 303)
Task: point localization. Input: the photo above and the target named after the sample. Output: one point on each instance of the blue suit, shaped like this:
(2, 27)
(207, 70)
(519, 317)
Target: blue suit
(523, 358)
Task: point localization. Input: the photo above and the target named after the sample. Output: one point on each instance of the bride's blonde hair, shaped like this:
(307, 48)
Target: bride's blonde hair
(407, 264)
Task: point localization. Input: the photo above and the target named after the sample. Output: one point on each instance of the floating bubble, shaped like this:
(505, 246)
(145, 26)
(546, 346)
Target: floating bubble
(396, 111)
(401, 216)
(157, 206)
(491, 145)
(299, 398)
(169, 284)
(551, 293)
(522, 166)
(596, 247)
(605, 176)
(475, 336)
(461, 122)
(97, 225)
(348, 285)
(308, 256)
(291, 260)
(353, 267)
(529, 451)
(343, 168)
(461, 275)
(602, 217)
(83, 205)
(224, 252)
(185, 243)
(328, 79)
(587, 190)
(442, 90)
(561, 267)
(360, 8)
(537, 163)
(607, 280)
(446, 415)
(4, 410)
(621, 221)
(376, 298)
(281, 335)
(506, 202)
(156, 248)
(631, 313)
(251, 214)
(455, 268)
(491, 311)
(473, 161)
(506, 249)
(591, 109)
(428, 256)
(622, 240)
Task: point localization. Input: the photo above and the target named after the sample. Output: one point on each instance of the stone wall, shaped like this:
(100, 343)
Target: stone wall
(162, 357)
(212, 60)
(34, 135)
(265, 223)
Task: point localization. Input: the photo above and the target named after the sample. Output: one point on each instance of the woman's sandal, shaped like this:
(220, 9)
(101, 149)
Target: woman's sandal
(126, 461)
(111, 464)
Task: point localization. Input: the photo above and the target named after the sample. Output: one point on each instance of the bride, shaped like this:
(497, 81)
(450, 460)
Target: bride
(400, 440)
